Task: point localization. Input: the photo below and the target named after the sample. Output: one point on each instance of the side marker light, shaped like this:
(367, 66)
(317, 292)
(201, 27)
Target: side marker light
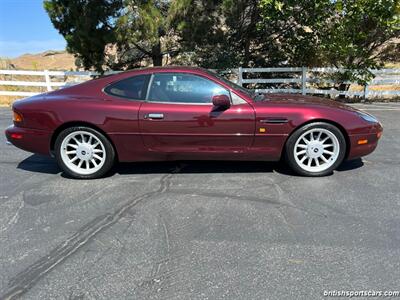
(17, 117)
(362, 142)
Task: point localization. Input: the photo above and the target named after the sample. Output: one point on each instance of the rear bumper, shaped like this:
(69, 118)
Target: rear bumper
(32, 140)
(372, 137)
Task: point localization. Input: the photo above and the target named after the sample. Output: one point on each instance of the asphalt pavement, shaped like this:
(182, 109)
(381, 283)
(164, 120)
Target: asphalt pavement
(200, 230)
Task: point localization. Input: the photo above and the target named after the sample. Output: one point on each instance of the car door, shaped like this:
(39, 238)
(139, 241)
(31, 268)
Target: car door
(178, 117)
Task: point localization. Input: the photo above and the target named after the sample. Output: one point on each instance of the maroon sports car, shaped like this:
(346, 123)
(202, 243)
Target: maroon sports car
(180, 113)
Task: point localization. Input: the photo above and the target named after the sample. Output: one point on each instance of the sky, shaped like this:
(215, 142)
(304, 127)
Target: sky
(26, 28)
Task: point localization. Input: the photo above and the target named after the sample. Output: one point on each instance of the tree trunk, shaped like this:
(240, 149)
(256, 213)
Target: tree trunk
(249, 33)
(156, 55)
(343, 87)
(157, 60)
(246, 58)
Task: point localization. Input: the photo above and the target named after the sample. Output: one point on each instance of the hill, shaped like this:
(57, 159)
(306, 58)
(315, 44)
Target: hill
(48, 60)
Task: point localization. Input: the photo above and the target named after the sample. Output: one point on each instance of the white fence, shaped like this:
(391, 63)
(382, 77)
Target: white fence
(295, 80)
(306, 79)
(67, 77)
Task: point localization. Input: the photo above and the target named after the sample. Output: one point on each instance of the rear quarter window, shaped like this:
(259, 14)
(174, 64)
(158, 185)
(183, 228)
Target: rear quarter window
(133, 88)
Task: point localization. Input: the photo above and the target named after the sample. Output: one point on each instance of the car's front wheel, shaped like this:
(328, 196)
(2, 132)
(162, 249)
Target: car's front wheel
(315, 149)
(84, 153)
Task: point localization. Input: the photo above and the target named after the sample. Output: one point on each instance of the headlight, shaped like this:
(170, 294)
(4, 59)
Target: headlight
(368, 117)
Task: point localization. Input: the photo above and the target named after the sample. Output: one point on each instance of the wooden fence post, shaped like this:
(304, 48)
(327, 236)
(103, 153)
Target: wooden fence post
(240, 76)
(303, 80)
(48, 81)
(366, 90)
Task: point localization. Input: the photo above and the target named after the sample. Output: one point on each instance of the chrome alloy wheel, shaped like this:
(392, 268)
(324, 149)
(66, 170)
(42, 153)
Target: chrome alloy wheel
(316, 150)
(82, 152)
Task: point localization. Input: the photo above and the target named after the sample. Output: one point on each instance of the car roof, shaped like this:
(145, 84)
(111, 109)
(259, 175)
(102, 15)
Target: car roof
(165, 69)
(168, 69)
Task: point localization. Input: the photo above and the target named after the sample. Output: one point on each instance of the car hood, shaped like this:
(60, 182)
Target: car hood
(302, 100)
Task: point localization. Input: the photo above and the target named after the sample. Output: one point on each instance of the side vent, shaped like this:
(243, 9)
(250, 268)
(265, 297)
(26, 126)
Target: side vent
(274, 120)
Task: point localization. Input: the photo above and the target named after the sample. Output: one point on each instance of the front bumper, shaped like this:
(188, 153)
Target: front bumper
(32, 140)
(371, 137)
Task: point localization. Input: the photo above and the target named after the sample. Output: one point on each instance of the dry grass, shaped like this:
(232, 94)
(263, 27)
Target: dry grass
(394, 87)
(393, 65)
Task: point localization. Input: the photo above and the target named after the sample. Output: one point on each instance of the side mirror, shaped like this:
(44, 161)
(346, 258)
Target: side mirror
(221, 101)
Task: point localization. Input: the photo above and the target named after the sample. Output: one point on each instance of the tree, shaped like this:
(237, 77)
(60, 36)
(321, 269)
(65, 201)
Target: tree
(292, 31)
(145, 30)
(219, 33)
(343, 33)
(253, 32)
(116, 34)
(87, 26)
(362, 35)
(120, 34)
(352, 34)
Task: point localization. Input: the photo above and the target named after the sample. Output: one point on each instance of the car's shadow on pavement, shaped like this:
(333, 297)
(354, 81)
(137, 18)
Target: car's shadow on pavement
(39, 164)
(350, 165)
(43, 164)
(198, 167)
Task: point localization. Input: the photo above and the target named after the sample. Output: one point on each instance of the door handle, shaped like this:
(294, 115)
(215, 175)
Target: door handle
(154, 116)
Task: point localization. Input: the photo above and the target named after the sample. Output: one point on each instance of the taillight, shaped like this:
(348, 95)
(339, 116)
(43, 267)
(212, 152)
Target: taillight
(16, 136)
(17, 117)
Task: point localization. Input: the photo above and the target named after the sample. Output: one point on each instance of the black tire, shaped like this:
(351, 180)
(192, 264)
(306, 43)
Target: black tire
(109, 153)
(291, 142)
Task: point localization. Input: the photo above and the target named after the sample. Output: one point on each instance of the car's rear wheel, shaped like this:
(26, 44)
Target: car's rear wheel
(84, 153)
(315, 149)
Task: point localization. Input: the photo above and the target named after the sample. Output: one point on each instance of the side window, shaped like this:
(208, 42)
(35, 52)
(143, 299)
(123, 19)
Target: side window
(132, 88)
(183, 88)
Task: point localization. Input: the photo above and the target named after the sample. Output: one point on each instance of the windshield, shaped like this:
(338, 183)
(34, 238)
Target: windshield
(233, 85)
